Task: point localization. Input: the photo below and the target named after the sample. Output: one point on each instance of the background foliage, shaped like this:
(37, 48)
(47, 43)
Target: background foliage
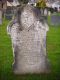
(41, 4)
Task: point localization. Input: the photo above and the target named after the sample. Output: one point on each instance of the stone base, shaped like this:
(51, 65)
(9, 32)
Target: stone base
(38, 68)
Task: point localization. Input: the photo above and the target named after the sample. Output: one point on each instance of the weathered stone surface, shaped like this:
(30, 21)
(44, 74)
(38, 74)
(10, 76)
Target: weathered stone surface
(0, 17)
(55, 19)
(29, 44)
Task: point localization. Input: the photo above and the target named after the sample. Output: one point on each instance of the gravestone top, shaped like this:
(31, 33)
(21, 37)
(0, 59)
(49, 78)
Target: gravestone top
(29, 44)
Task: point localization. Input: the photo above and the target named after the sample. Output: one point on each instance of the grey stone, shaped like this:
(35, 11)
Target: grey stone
(55, 19)
(0, 17)
(29, 42)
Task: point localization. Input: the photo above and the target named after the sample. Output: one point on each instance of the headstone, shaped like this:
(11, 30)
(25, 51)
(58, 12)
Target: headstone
(49, 13)
(29, 42)
(1, 12)
(45, 11)
(0, 17)
(55, 20)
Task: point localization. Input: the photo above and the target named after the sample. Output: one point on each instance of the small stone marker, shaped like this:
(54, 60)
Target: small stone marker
(55, 19)
(0, 17)
(29, 44)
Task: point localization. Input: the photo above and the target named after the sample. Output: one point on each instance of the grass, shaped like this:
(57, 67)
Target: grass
(6, 56)
(58, 13)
